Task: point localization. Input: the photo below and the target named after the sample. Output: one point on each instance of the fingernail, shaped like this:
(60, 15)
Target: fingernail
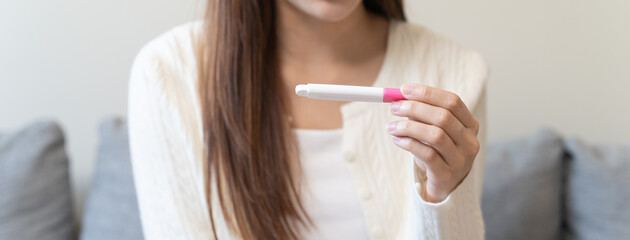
(401, 141)
(395, 106)
(408, 89)
(391, 126)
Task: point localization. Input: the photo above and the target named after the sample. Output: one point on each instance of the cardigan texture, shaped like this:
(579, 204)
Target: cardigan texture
(167, 146)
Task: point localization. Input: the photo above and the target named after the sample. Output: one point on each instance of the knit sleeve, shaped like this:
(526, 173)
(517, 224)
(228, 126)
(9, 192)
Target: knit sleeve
(162, 146)
(459, 216)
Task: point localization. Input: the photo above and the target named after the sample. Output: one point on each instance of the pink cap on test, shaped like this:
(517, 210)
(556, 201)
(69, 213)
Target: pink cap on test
(392, 95)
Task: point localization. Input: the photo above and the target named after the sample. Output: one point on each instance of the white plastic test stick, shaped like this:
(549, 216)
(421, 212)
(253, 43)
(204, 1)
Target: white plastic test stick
(348, 93)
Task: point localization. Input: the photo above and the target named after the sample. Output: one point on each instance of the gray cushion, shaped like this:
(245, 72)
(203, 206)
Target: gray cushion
(522, 188)
(598, 191)
(111, 211)
(35, 193)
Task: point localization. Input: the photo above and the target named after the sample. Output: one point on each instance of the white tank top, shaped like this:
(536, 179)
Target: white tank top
(329, 195)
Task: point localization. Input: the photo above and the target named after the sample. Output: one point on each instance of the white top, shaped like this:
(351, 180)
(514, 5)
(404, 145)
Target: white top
(167, 147)
(329, 197)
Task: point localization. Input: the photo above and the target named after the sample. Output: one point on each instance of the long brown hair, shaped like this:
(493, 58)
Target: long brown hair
(250, 151)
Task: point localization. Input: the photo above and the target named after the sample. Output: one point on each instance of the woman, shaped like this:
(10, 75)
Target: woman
(222, 147)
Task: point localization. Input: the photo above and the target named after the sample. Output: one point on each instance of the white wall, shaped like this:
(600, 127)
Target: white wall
(69, 60)
(561, 63)
(554, 62)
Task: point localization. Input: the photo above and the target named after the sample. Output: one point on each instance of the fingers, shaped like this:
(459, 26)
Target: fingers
(440, 132)
(424, 155)
(441, 98)
(431, 135)
(431, 115)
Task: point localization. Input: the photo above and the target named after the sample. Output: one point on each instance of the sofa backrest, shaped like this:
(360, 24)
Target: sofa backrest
(35, 192)
(522, 191)
(597, 191)
(111, 210)
(540, 186)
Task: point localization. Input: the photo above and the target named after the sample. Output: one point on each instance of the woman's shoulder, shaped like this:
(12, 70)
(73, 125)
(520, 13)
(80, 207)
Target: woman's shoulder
(164, 78)
(420, 38)
(177, 40)
(440, 61)
(171, 57)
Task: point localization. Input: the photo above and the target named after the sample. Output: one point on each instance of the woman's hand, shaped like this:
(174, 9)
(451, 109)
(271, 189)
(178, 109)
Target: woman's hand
(440, 132)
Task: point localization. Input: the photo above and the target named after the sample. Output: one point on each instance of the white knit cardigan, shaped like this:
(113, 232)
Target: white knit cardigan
(167, 147)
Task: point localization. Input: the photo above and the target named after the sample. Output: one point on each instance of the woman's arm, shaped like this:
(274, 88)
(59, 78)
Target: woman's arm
(170, 195)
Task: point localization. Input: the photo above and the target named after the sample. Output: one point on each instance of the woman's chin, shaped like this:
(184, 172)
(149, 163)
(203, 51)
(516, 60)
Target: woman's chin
(328, 11)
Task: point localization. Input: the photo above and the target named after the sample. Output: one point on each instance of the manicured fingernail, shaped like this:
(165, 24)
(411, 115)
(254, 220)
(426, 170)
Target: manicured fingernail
(391, 126)
(395, 106)
(396, 139)
(407, 89)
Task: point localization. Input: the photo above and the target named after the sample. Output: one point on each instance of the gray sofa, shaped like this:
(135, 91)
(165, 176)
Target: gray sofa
(541, 186)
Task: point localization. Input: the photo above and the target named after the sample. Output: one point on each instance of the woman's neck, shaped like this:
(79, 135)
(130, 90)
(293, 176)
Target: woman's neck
(304, 40)
(350, 51)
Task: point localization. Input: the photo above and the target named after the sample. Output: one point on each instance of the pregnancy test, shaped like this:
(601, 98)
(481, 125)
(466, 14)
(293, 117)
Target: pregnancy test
(348, 93)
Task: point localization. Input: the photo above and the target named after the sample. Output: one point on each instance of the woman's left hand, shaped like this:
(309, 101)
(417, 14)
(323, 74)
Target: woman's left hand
(440, 132)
